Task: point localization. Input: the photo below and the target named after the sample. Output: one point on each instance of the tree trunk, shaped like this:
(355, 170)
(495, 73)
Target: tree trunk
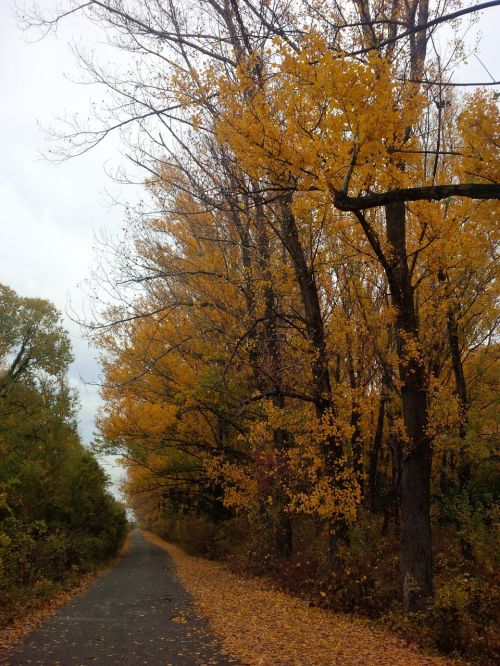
(416, 528)
(416, 560)
(374, 453)
(332, 448)
(282, 525)
(322, 388)
(465, 471)
(357, 435)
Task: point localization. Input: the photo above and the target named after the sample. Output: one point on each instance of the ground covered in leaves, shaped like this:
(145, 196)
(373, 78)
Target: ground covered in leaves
(265, 627)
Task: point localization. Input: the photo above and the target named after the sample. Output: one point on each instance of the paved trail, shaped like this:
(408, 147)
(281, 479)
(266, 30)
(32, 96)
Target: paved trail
(136, 614)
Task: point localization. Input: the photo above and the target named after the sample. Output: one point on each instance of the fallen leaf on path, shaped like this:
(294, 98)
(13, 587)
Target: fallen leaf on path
(264, 627)
(180, 619)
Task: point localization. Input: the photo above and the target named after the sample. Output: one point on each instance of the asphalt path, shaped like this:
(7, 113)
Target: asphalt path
(137, 613)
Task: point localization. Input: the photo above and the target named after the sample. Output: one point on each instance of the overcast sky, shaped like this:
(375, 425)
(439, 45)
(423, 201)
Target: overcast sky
(50, 214)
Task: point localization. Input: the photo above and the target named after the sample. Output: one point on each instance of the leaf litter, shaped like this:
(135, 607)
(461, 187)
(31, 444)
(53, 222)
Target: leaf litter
(260, 626)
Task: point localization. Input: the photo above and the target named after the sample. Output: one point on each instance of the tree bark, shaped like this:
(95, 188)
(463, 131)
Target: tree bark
(322, 388)
(425, 193)
(464, 471)
(374, 454)
(282, 525)
(357, 435)
(332, 449)
(416, 560)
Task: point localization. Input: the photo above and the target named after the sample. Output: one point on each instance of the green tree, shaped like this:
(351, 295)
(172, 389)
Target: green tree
(56, 513)
(32, 339)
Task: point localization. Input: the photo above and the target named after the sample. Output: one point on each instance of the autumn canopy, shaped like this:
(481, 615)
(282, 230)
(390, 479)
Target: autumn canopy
(303, 349)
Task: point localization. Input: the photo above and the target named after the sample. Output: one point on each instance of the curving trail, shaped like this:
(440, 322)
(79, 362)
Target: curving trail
(138, 613)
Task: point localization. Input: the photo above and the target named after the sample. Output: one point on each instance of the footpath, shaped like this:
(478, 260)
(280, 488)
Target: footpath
(160, 607)
(137, 613)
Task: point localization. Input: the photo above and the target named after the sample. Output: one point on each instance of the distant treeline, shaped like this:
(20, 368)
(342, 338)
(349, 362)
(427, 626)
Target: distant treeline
(57, 518)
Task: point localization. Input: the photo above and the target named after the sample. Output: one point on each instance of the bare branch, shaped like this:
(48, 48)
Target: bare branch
(430, 193)
(429, 24)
